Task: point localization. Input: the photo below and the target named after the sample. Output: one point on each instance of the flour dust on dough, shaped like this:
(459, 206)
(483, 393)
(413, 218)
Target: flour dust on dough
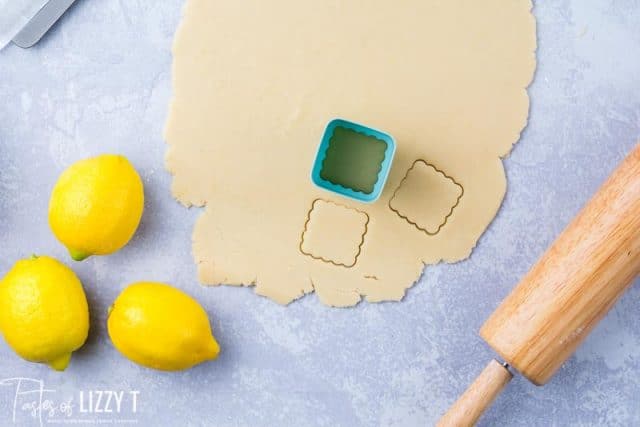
(256, 82)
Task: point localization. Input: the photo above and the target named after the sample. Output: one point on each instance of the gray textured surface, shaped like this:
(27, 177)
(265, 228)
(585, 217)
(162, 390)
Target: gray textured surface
(100, 82)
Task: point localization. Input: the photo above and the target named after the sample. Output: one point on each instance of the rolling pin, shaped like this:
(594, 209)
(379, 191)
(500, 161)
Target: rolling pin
(562, 298)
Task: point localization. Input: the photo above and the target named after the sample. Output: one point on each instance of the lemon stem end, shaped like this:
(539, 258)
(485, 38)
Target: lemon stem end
(78, 255)
(213, 349)
(61, 363)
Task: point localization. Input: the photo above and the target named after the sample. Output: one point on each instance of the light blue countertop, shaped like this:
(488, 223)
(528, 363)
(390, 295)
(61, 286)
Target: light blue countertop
(100, 82)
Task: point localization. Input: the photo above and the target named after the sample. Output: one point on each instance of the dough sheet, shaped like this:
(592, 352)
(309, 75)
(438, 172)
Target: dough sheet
(255, 84)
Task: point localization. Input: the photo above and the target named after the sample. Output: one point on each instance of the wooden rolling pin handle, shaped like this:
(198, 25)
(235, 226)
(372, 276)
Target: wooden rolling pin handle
(478, 397)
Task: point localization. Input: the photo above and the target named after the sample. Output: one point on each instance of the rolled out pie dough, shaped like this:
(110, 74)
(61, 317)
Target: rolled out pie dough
(255, 83)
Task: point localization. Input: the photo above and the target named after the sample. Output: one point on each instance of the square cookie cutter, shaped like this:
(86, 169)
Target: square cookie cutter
(343, 188)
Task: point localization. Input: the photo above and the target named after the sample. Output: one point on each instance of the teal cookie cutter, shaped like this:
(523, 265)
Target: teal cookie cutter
(335, 152)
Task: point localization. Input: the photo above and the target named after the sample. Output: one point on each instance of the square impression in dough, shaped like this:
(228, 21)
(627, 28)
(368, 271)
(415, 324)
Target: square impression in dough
(426, 197)
(346, 226)
(255, 84)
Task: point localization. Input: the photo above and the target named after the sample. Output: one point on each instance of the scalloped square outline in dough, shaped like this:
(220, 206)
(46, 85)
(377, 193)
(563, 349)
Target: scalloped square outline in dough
(342, 245)
(414, 198)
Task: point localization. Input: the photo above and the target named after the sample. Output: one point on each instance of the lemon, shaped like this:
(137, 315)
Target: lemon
(44, 315)
(160, 327)
(96, 206)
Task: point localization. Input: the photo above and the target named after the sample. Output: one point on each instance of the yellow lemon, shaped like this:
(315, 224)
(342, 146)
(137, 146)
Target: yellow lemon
(161, 327)
(44, 315)
(96, 206)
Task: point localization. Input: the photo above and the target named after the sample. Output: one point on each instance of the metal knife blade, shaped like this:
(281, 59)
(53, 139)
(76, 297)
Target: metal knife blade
(42, 22)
